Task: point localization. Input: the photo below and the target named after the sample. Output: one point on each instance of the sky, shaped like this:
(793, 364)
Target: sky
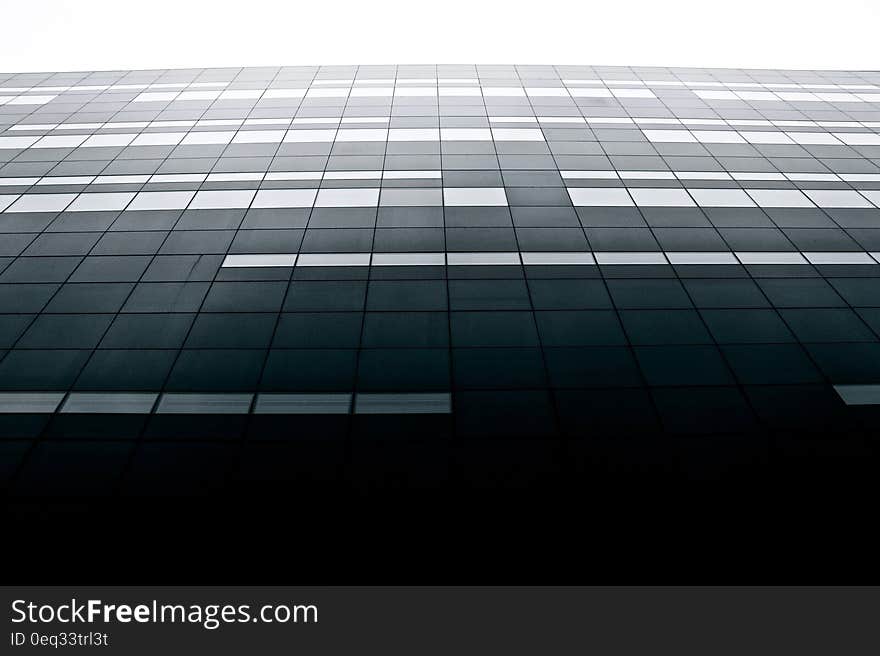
(65, 35)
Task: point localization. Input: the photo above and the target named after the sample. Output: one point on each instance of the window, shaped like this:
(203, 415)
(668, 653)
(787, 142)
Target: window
(411, 197)
(414, 134)
(234, 177)
(6, 200)
(474, 196)
(767, 257)
(670, 136)
(757, 95)
(156, 96)
(207, 138)
(858, 138)
(436, 403)
(258, 136)
(29, 402)
(718, 136)
(460, 91)
(100, 202)
(873, 196)
(646, 175)
(859, 394)
(599, 197)
(268, 260)
(701, 258)
(814, 138)
(372, 92)
(41, 203)
(465, 134)
(409, 259)
(766, 137)
(630, 258)
(161, 200)
(297, 404)
(633, 93)
(268, 198)
(557, 258)
(109, 403)
(553, 92)
(347, 198)
(108, 140)
(241, 94)
(333, 259)
(283, 93)
(482, 259)
(307, 136)
(60, 141)
(502, 134)
(327, 93)
(197, 95)
(714, 94)
(721, 198)
(226, 199)
(839, 258)
(504, 91)
(17, 142)
(31, 100)
(837, 198)
(205, 404)
(590, 93)
(779, 198)
(361, 135)
(661, 197)
(158, 139)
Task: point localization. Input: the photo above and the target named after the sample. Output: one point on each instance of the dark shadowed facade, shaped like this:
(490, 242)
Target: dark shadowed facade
(389, 306)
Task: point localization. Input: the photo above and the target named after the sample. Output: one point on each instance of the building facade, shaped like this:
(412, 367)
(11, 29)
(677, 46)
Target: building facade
(435, 278)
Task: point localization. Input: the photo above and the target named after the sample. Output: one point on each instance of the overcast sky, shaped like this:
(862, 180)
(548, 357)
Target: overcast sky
(57, 35)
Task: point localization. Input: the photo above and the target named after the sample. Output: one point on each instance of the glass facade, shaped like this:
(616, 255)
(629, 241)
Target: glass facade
(221, 282)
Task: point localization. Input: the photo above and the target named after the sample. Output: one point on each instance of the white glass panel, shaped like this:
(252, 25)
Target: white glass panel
(267, 198)
(225, 199)
(599, 197)
(41, 203)
(161, 200)
(661, 197)
(474, 196)
(347, 198)
(779, 198)
(100, 202)
(721, 198)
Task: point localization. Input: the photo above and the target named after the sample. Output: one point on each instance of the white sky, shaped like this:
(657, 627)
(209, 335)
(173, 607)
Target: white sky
(59, 35)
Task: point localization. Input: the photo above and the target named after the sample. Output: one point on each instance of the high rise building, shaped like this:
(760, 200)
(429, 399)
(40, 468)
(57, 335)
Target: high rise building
(451, 282)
